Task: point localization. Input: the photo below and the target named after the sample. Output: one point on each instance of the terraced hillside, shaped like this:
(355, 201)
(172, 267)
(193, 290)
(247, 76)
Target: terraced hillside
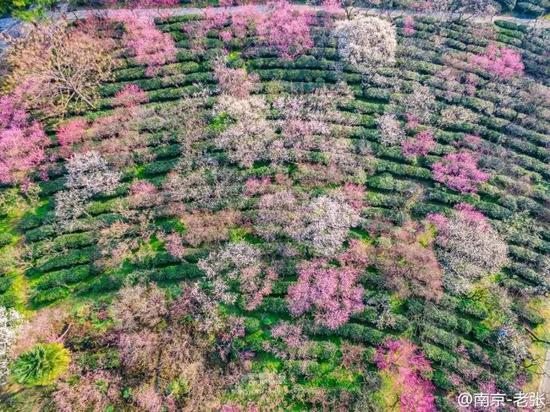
(191, 197)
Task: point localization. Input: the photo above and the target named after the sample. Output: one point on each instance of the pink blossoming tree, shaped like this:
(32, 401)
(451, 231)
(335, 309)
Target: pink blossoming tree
(286, 29)
(331, 292)
(503, 63)
(150, 46)
(22, 142)
(407, 368)
(420, 145)
(130, 96)
(459, 172)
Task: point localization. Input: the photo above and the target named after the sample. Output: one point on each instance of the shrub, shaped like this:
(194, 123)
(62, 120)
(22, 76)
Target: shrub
(286, 28)
(42, 365)
(459, 172)
(331, 292)
(366, 42)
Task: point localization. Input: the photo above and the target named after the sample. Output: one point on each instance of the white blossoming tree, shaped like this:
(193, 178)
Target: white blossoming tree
(10, 320)
(366, 42)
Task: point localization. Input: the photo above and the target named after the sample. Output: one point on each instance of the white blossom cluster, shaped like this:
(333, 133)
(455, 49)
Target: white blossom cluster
(248, 138)
(327, 223)
(88, 175)
(366, 42)
(391, 133)
(10, 320)
(467, 253)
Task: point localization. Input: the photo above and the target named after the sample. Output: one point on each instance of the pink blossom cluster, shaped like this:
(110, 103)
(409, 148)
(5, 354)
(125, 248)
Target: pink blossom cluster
(234, 82)
(71, 132)
(407, 366)
(332, 6)
(286, 29)
(420, 145)
(469, 214)
(130, 96)
(155, 3)
(150, 46)
(243, 22)
(332, 293)
(503, 62)
(22, 142)
(174, 245)
(408, 26)
(292, 335)
(257, 185)
(459, 172)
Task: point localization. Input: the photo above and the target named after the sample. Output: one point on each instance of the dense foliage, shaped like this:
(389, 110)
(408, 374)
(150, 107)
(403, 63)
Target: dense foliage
(274, 208)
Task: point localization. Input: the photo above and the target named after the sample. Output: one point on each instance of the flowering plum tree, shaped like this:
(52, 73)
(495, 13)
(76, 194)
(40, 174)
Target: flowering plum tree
(22, 142)
(408, 266)
(150, 46)
(406, 366)
(131, 95)
(467, 247)
(88, 175)
(390, 130)
(96, 390)
(327, 221)
(163, 341)
(202, 227)
(408, 26)
(244, 21)
(421, 145)
(234, 82)
(70, 133)
(10, 321)
(286, 29)
(331, 292)
(248, 137)
(58, 65)
(419, 104)
(459, 172)
(241, 263)
(366, 42)
(503, 63)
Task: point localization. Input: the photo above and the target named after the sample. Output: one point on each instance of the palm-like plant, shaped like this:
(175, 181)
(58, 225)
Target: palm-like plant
(41, 365)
